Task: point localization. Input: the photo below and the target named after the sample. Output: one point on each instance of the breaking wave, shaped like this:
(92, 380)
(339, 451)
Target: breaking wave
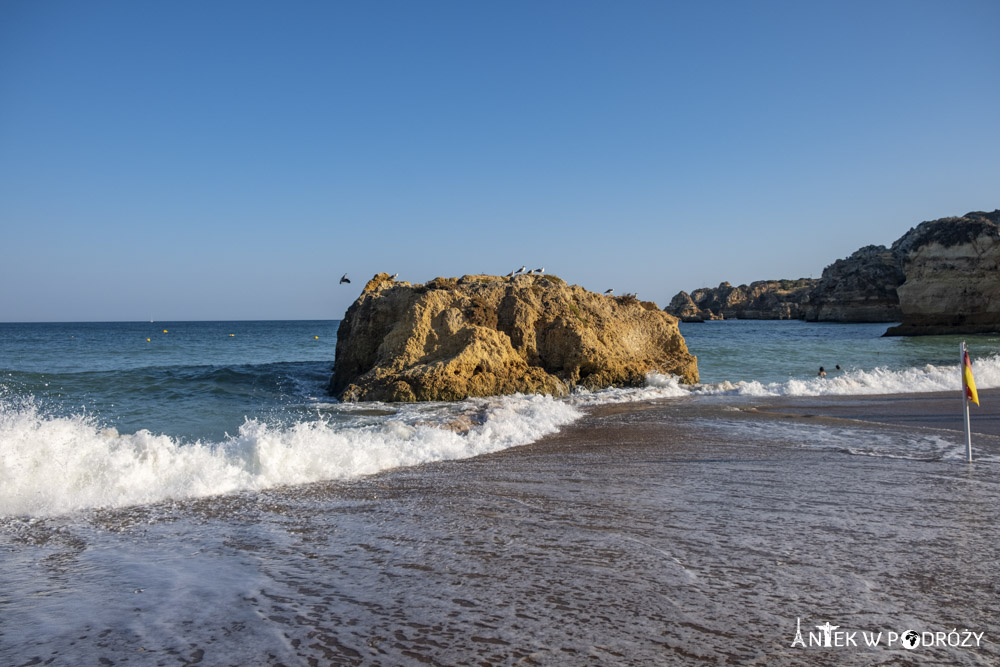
(53, 465)
(852, 382)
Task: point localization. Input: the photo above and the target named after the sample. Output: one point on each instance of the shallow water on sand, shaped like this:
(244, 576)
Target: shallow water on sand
(645, 534)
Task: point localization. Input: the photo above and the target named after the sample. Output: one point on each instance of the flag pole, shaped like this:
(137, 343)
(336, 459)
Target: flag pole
(965, 405)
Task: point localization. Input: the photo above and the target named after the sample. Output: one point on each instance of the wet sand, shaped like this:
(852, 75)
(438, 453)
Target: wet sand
(938, 410)
(671, 532)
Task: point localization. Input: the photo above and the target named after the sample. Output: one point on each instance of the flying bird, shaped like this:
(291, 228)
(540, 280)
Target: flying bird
(344, 279)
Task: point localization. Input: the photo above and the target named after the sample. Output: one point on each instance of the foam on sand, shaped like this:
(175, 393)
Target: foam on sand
(863, 440)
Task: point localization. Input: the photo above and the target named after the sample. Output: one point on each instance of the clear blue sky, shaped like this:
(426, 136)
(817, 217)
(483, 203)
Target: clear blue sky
(230, 160)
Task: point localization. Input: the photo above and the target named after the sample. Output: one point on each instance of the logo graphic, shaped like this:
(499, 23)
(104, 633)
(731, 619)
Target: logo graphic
(831, 636)
(827, 631)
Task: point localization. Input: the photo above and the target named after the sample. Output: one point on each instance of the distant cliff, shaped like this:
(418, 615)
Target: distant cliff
(761, 300)
(861, 288)
(952, 269)
(940, 277)
(452, 338)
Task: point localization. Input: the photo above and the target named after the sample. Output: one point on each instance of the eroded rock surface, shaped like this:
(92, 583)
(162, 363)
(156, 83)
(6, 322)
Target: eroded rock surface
(952, 269)
(860, 288)
(481, 335)
(760, 300)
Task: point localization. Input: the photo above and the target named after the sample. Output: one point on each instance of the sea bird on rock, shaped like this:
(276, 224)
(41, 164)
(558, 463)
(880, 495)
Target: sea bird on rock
(522, 269)
(539, 271)
(510, 275)
(344, 279)
(394, 276)
(609, 291)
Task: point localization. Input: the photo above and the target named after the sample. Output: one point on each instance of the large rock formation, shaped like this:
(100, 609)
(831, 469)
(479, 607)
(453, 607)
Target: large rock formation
(452, 338)
(861, 288)
(761, 300)
(952, 269)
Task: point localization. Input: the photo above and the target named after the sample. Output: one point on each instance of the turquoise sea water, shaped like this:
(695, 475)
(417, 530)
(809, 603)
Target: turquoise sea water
(96, 414)
(194, 380)
(778, 350)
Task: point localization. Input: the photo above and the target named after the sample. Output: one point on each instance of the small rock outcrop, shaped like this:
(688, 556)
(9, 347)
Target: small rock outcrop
(761, 300)
(683, 307)
(861, 288)
(479, 335)
(952, 269)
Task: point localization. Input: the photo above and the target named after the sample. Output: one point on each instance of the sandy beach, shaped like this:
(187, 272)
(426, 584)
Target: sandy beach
(659, 533)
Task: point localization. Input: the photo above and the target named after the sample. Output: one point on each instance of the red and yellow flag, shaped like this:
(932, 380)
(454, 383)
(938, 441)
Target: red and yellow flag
(968, 382)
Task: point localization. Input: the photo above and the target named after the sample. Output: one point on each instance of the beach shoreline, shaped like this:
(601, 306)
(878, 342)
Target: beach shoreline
(930, 410)
(657, 532)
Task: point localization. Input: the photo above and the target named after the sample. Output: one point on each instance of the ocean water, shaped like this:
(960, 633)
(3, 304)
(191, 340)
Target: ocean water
(188, 493)
(115, 414)
(773, 352)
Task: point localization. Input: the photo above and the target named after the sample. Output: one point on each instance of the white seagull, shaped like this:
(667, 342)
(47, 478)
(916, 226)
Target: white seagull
(344, 279)
(539, 271)
(394, 276)
(608, 291)
(522, 269)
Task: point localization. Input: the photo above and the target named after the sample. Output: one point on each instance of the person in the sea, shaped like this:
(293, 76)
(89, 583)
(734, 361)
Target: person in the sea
(822, 373)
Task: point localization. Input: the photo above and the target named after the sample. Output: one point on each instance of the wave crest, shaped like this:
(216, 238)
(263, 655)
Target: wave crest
(852, 382)
(54, 465)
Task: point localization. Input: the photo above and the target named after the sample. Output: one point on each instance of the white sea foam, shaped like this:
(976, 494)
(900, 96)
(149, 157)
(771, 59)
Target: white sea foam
(53, 465)
(852, 382)
(657, 386)
(880, 442)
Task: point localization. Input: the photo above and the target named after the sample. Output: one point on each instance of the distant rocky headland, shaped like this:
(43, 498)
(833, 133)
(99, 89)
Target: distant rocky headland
(481, 335)
(940, 277)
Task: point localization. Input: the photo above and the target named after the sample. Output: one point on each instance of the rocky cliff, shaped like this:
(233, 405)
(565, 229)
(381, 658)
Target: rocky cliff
(452, 338)
(940, 277)
(861, 288)
(952, 269)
